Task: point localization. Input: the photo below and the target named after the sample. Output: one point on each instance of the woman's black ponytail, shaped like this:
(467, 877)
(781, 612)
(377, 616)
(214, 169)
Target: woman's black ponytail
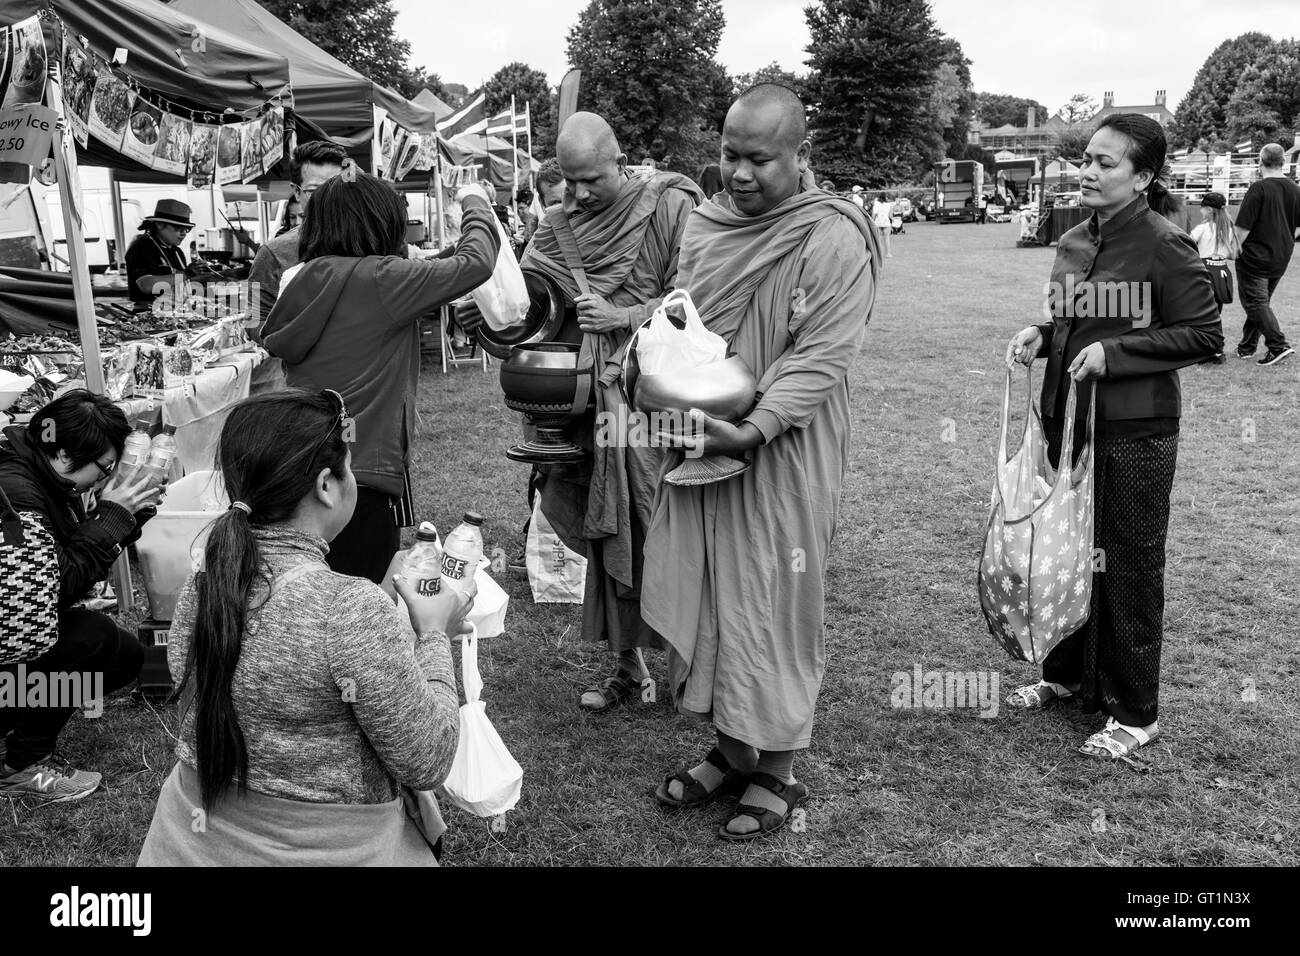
(268, 466)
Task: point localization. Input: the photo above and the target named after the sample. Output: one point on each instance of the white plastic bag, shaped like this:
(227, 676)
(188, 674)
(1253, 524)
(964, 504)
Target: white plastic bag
(662, 346)
(503, 299)
(484, 778)
(557, 574)
(488, 615)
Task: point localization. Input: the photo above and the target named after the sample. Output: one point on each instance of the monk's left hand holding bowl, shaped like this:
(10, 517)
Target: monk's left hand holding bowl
(715, 436)
(597, 315)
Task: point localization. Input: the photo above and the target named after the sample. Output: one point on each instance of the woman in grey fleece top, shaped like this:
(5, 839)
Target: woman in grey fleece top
(299, 684)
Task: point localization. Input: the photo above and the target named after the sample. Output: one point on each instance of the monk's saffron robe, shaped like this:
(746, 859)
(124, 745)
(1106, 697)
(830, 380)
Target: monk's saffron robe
(629, 253)
(735, 570)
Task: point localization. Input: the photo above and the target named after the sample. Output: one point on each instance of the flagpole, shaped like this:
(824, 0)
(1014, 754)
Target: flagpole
(514, 154)
(528, 123)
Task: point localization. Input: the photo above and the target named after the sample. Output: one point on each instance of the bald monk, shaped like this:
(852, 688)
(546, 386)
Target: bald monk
(628, 230)
(735, 570)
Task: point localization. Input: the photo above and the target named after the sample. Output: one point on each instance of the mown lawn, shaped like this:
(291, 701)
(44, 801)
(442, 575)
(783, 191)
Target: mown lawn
(915, 787)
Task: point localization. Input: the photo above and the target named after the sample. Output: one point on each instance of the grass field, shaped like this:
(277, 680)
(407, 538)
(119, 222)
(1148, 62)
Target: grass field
(888, 786)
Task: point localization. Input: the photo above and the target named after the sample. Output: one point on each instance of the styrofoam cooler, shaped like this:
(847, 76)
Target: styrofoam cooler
(172, 541)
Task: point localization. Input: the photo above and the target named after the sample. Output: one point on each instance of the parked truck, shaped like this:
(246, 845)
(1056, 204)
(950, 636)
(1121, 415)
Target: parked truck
(958, 189)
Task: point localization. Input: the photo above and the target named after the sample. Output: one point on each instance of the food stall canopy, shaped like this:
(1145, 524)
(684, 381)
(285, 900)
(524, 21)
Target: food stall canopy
(230, 73)
(429, 100)
(326, 90)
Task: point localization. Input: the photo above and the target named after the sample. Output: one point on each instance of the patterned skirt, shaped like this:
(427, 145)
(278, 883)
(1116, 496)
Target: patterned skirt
(1115, 657)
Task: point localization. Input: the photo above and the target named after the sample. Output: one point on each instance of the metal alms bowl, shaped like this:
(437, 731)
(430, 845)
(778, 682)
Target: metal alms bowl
(723, 389)
(543, 380)
(540, 324)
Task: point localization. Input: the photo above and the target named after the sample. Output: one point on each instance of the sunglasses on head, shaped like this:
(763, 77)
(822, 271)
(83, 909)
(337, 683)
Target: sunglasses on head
(339, 422)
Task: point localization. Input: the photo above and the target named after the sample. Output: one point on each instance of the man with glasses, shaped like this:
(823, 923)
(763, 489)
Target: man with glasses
(312, 165)
(71, 447)
(155, 261)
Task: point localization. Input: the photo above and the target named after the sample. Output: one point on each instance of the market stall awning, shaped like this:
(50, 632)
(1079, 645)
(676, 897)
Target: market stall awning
(326, 90)
(228, 73)
(429, 100)
(231, 70)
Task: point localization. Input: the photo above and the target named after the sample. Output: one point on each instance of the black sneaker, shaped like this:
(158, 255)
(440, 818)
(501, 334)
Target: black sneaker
(1272, 358)
(1246, 353)
(519, 563)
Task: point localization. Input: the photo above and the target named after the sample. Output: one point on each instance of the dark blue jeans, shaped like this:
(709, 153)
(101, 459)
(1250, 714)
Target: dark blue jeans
(1256, 291)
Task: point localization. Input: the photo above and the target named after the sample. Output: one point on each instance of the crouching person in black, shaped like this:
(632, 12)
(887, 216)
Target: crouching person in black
(70, 447)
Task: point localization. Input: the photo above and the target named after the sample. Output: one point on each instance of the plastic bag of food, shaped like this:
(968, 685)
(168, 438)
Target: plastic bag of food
(503, 299)
(661, 346)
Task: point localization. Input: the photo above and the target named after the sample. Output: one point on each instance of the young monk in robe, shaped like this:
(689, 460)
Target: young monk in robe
(735, 570)
(628, 230)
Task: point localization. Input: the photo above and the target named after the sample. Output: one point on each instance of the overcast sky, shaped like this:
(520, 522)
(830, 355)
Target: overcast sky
(1133, 47)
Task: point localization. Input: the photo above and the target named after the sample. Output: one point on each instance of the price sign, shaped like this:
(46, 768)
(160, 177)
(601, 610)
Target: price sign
(26, 132)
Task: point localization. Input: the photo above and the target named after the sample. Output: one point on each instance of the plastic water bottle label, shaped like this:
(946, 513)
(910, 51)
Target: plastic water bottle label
(428, 587)
(453, 567)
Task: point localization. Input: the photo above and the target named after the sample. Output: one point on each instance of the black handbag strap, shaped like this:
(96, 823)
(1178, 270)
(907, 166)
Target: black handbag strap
(10, 521)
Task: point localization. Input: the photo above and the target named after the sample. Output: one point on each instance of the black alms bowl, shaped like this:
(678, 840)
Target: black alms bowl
(543, 381)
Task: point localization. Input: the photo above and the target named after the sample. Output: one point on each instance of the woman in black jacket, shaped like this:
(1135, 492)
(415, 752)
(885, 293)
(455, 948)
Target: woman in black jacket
(70, 447)
(1131, 304)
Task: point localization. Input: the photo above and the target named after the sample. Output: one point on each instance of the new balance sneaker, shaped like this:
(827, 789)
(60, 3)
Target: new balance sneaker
(1272, 358)
(48, 782)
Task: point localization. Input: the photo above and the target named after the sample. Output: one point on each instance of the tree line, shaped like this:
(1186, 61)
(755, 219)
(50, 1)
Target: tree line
(888, 93)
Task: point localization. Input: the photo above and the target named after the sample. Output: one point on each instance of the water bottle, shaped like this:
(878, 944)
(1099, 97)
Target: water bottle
(134, 454)
(423, 564)
(162, 452)
(461, 553)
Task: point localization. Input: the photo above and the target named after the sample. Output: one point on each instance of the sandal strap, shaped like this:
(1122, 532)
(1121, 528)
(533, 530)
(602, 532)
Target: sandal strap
(719, 760)
(767, 818)
(616, 687)
(777, 788)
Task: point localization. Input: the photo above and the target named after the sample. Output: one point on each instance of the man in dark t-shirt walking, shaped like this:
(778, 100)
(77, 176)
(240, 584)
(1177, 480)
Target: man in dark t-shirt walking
(1266, 226)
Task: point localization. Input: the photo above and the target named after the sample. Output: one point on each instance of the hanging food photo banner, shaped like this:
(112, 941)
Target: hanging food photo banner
(406, 155)
(229, 151)
(173, 153)
(428, 155)
(203, 155)
(271, 130)
(142, 132)
(25, 63)
(110, 110)
(79, 80)
(250, 135)
(100, 100)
